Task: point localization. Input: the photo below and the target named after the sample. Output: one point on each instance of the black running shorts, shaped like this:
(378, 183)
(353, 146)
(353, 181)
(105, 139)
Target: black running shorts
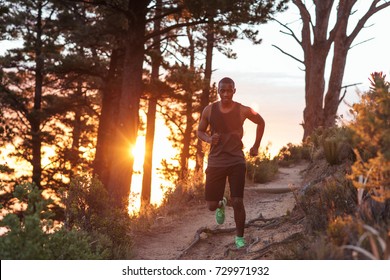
(216, 180)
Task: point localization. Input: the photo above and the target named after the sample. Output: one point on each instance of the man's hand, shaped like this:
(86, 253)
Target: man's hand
(214, 139)
(254, 151)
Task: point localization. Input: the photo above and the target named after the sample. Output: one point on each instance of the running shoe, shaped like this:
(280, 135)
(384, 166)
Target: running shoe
(240, 242)
(220, 212)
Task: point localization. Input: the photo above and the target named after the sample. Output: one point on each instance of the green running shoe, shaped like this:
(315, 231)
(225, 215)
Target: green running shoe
(240, 242)
(220, 212)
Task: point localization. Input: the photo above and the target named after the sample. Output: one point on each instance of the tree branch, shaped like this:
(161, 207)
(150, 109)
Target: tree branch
(292, 34)
(365, 41)
(172, 27)
(290, 55)
(372, 10)
(306, 19)
(345, 90)
(167, 13)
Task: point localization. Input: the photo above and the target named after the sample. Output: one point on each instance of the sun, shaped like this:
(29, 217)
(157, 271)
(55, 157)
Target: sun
(138, 152)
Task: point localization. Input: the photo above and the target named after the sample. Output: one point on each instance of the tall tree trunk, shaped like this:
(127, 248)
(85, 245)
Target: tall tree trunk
(332, 98)
(149, 145)
(186, 141)
(36, 114)
(205, 96)
(151, 115)
(314, 93)
(341, 47)
(76, 133)
(126, 127)
(315, 54)
(108, 116)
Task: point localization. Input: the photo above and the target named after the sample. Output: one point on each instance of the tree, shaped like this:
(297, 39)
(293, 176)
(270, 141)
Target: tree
(156, 60)
(48, 92)
(25, 78)
(316, 41)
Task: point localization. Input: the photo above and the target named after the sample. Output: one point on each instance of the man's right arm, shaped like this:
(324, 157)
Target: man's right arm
(203, 124)
(202, 128)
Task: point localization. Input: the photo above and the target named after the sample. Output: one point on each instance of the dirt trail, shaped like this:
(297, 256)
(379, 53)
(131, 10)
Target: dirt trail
(170, 237)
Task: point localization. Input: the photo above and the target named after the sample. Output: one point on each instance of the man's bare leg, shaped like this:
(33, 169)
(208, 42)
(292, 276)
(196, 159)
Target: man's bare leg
(239, 215)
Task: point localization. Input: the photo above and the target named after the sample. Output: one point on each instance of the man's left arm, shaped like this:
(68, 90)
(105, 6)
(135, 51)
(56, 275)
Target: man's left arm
(257, 119)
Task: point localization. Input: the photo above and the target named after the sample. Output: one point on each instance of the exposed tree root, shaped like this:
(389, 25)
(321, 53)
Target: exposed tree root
(207, 231)
(268, 248)
(266, 224)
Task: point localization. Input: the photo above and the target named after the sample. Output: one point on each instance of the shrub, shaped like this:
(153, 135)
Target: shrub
(343, 230)
(291, 154)
(261, 169)
(325, 202)
(31, 234)
(335, 144)
(89, 208)
(372, 127)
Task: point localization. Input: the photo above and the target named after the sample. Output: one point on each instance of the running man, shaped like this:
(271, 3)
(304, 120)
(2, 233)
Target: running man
(226, 159)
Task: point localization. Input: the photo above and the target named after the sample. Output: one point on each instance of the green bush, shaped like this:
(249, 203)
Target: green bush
(31, 234)
(291, 154)
(261, 169)
(89, 208)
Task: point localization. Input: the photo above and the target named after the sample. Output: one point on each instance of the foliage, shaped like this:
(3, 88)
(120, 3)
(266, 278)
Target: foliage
(89, 208)
(324, 202)
(344, 229)
(291, 154)
(334, 144)
(312, 248)
(261, 169)
(181, 115)
(48, 104)
(31, 233)
(372, 127)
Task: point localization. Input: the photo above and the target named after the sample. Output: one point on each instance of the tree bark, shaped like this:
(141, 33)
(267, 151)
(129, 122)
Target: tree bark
(315, 54)
(186, 142)
(126, 127)
(76, 133)
(151, 115)
(341, 47)
(205, 96)
(189, 121)
(35, 120)
(110, 103)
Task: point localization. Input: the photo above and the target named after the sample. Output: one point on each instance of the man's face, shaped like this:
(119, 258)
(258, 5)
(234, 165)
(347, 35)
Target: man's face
(226, 92)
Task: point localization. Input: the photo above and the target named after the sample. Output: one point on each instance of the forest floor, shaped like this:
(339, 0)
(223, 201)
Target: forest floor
(194, 234)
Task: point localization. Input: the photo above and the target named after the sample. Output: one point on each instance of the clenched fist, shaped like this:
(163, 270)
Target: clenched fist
(214, 139)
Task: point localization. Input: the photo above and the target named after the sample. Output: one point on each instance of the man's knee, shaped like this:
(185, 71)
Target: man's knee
(212, 205)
